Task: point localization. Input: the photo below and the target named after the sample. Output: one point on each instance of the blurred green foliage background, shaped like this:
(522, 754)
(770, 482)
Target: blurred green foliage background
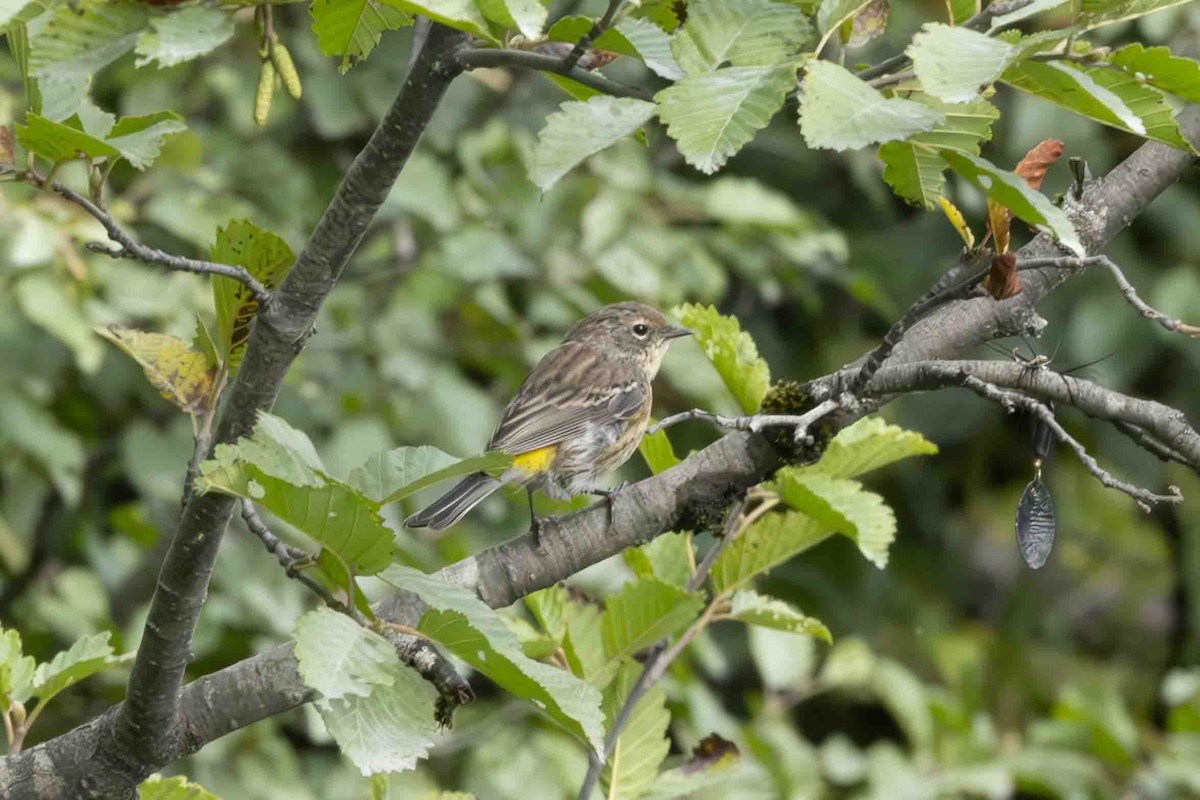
(956, 668)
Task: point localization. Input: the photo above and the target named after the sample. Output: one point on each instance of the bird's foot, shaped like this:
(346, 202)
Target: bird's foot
(610, 496)
(536, 527)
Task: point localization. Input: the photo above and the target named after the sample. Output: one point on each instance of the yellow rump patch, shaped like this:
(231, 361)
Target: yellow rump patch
(536, 460)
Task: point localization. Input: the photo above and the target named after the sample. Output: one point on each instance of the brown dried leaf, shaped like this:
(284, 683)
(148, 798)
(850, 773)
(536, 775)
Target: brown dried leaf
(181, 374)
(1003, 281)
(1035, 163)
(1033, 170)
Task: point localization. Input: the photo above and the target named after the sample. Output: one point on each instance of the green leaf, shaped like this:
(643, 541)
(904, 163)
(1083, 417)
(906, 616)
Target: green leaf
(391, 470)
(756, 609)
(156, 787)
(768, 542)
(463, 15)
(553, 608)
(642, 744)
(961, 10)
(651, 44)
(869, 444)
(1111, 96)
(711, 116)
(956, 64)
(1156, 65)
(731, 351)
(914, 168)
(527, 16)
(16, 669)
(906, 699)
(581, 129)
(277, 468)
(841, 112)
(57, 142)
(184, 35)
(84, 658)
(139, 139)
(266, 257)
(832, 14)
(842, 505)
(667, 557)
(1097, 13)
(10, 10)
(1011, 191)
(462, 623)
(388, 730)
(338, 657)
(574, 27)
(179, 373)
(76, 41)
(351, 29)
(657, 452)
(492, 462)
(643, 612)
(743, 33)
(202, 341)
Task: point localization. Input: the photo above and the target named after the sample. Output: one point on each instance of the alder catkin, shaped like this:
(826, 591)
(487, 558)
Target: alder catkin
(266, 88)
(286, 69)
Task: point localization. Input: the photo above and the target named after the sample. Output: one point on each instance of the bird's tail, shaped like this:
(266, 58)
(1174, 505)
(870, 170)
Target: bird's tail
(454, 504)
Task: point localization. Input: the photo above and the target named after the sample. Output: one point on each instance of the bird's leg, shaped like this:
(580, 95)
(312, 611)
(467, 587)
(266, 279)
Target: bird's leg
(535, 524)
(609, 496)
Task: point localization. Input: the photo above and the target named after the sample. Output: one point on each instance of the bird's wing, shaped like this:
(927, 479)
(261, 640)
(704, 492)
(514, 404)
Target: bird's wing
(573, 386)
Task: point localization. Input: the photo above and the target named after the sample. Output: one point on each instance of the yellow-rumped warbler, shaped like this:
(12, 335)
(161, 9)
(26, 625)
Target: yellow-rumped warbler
(579, 414)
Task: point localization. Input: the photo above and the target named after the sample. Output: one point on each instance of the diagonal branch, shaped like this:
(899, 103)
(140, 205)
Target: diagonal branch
(474, 58)
(130, 248)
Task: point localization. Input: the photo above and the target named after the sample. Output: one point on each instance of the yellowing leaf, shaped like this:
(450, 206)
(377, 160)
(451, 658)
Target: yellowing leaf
(956, 219)
(181, 374)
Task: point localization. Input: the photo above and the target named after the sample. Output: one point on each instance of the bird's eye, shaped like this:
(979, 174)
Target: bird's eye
(640, 330)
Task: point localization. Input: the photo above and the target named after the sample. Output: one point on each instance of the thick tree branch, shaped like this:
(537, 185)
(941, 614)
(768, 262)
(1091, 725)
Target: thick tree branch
(1167, 426)
(474, 58)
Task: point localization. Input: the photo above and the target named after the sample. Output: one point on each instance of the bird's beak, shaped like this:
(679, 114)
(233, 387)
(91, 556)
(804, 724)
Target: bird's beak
(675, 331)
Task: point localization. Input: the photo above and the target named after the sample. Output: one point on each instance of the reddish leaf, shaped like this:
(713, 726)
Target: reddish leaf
(1003, 281)
(1033, 170)
(1035, 163)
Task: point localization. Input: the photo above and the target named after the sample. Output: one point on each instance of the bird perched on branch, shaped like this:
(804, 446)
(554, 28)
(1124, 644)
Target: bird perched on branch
(578, 416)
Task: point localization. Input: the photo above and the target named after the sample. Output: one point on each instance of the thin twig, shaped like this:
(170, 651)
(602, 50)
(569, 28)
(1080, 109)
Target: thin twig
(129, 248)
(288, 558)
(598, 28)
(1127, 289)
(945, 289)
(755, 422)
(659, 657)
(889, 80)
(474, 58)
(1011, 400)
